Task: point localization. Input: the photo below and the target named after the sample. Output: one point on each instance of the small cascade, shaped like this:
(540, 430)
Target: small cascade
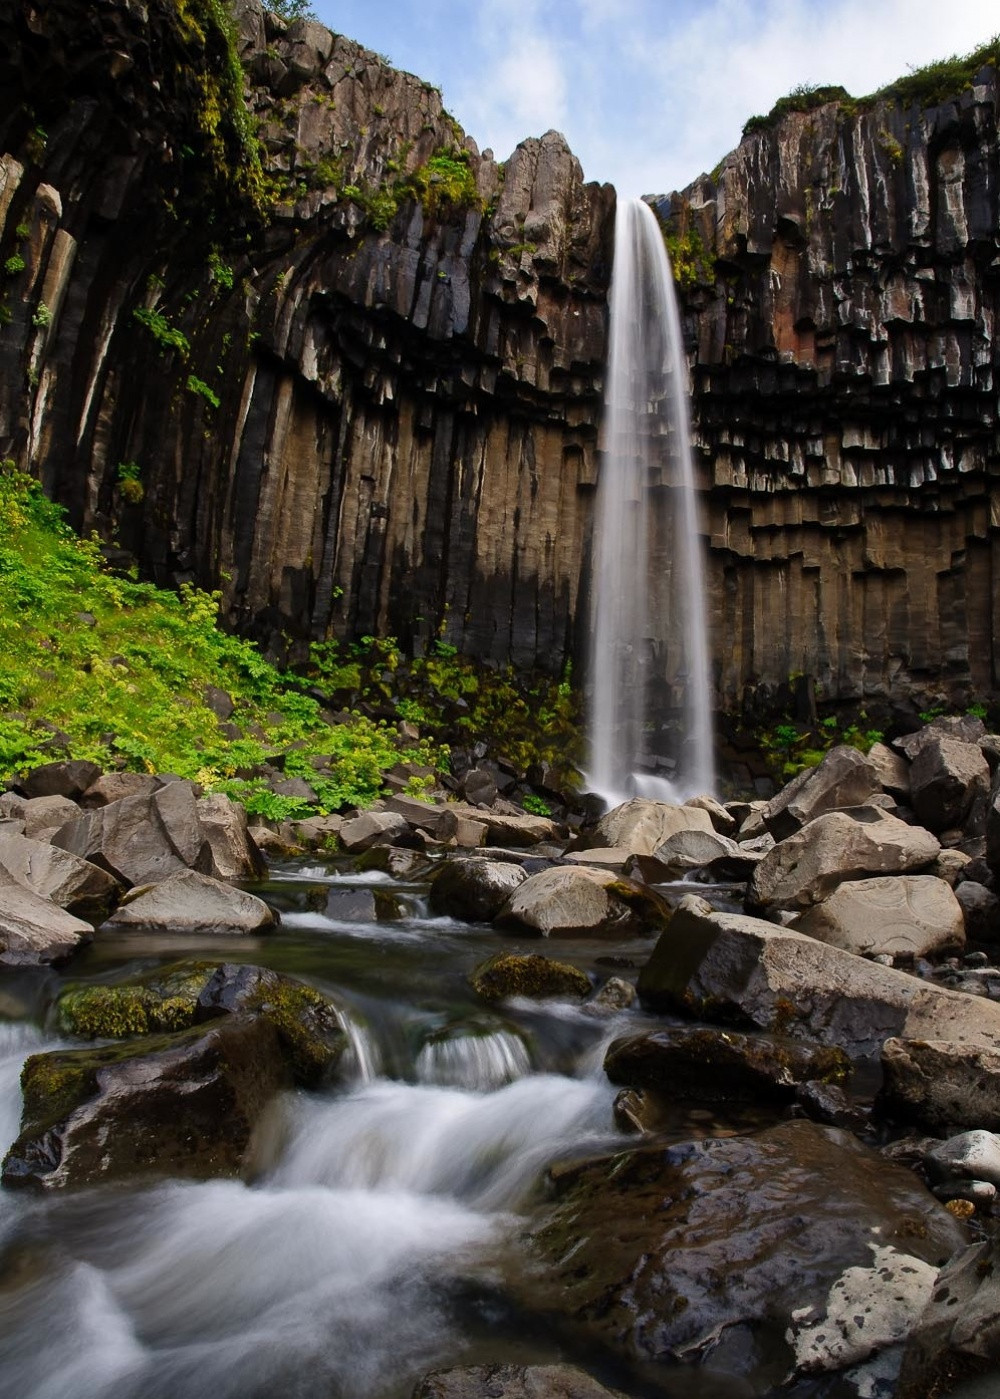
(473, 1059)
(650, 709)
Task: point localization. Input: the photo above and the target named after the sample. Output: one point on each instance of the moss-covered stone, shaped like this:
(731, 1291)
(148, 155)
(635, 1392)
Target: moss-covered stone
(162, 1002)
(510, 974)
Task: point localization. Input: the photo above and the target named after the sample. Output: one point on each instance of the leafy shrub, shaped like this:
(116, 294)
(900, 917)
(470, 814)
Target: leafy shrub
(165, 335)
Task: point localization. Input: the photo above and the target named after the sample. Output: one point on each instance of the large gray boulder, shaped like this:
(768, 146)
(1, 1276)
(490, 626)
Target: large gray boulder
(892, 770)
(372, 828)
(807, 867)
(234, 853)
(72, 883)
(181, 1105)
(941, 1085)
(43, 816)
(188, 902)
(691, 850)
(35, 931)
(902, 915)
(726, 966)
(474, 889)
(640, 825)
(66, 778)
(140, 839)
(844, 778)
(578, 901)
(946, 778)
(666, 1254)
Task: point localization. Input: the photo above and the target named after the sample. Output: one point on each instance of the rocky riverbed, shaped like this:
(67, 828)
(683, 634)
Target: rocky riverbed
(700, 1100)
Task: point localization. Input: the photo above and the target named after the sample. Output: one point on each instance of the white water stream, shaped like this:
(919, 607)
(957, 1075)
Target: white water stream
(650, 655)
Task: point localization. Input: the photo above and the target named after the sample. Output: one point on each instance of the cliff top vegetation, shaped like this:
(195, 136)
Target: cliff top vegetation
(923, 87)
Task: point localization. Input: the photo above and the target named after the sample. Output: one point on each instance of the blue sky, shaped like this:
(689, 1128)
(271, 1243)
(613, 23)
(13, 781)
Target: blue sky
(649, 93)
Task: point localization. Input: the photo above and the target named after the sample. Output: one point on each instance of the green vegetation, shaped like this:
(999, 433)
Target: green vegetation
(441, 184)
(14, 264)
(789, 748)
(128, 476)
(97, 666)
(689, 258)
(922, 87)
(166, 335)
(198, 386)
(290, 9)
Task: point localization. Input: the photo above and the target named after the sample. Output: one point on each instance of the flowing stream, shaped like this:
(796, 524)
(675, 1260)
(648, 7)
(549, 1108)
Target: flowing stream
(650, 711)
(385, 1215)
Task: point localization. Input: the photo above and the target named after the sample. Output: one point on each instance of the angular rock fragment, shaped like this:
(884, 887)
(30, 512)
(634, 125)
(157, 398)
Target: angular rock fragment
(570, 901)
(640, 825)
(906, 915)
(474, 889)
(188, 902)
(844, 778)
(941, 1085)
(946, 777)
(72, 883)
(34, 930)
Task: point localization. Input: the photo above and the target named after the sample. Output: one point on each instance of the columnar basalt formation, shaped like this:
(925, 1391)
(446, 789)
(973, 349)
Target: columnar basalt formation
(842, 286)
(358, 400)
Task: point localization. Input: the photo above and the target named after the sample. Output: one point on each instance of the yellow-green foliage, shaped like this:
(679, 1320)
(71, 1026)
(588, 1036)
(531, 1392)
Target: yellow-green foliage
(689, 258)
(128, 688)
(162, 1003)
(443, 183)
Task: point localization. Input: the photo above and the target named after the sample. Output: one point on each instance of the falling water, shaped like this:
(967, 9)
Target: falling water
(649, 659)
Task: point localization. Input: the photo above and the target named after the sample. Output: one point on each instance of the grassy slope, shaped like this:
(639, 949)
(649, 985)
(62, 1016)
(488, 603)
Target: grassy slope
(103, 667)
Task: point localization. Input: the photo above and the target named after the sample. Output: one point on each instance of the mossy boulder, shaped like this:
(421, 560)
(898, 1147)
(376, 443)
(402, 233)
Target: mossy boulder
(510, 974)
(161, 1003)
(578, 901)
(178, 1105)
(308, 1025)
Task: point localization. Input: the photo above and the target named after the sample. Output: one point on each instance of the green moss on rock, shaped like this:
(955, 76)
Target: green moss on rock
(510, 974)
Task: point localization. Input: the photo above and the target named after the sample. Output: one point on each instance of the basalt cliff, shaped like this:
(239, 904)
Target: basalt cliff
(352, 375)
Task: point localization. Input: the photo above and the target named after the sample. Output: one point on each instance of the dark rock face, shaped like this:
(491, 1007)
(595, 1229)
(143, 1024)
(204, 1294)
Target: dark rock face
(513, 1382)
(656, 1254)
(408, 399)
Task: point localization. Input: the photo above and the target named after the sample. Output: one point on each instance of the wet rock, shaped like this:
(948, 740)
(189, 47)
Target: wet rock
(513, 1382)
(308, 1024)
(184, 1105)
(35, 931)
(946, 777)
(72, 883)
(828, 1103)
(844, 778)
(572, 901)
(655, 1253)
(539, 978)
(909, 915)
(372, 828)
(160, 1003)
(807, 867)
(362, 905)
(474, 889)
(960, 1326)
(63, 779)
(971, 1155)
(639, 826)
(726, 966)
(980, 911)
(391, 859)
(940, 1085)
(234, 853)
(188, 902)
(613, 996)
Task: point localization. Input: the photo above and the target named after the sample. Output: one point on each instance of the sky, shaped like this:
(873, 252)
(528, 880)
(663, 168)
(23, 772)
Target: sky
(649, 93)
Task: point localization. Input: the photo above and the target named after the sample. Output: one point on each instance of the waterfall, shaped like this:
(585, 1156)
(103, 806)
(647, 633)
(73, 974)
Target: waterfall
(650, 708)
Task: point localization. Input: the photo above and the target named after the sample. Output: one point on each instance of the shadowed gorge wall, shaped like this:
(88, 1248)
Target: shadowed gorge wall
(358, 405)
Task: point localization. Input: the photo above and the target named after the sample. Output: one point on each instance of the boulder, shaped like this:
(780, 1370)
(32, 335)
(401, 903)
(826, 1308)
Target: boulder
(355, 905)
(807, 867)
(903, 915)
(140, 839)
(188, 902)
(713, 1065)
(640, 825)
(950, 866)
(234, 853)
(716, 1249)
(181, 1105)
(309, 1026)
(72, 883)
(570, 901)
(958, 1332)
(373, 828)
(727, 966)
(479, 787)
(980, 910)
(63, 779)
(463, 830)
(973, 1155)
(43, 816)
(538, 978)
(513, 1382)
(35, 931)
(892, 770)
(691, 850)
(474, 889)
(160, 1003)
(961, 728)
(946, 777)
(723, 820)
(940, 1085)
(844, 778)
(113, 786)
